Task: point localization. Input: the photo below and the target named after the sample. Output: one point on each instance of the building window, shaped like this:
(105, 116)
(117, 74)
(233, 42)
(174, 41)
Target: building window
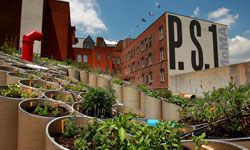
(150, 59)
(85, 58)
(161, 32)
(107, 56)
(150, 76)
(142, 45)
(99, 57)
(79, 58)
(162, 78)
(161, 54)
(142, 77)
(118, 61)
(142, 62)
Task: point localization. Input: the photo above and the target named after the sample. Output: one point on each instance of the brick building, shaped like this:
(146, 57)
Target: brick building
(98, 54)
(173, 44)
(144, 60)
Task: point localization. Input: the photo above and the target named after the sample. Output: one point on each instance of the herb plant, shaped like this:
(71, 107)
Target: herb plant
(98, 102)
(15, 91)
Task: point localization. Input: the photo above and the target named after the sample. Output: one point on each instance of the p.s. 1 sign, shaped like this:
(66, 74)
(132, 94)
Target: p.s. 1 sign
(195, 44)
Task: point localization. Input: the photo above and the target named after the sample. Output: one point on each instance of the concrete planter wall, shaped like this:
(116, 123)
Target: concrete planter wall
(65, 79)
(170, 111)
(93, 79)
(244, 141)
(23, 67)
(65, 96)
(57, 126)
(84, 76)
(13, 78)
(7, 63)
(152, 107)
(9, 120)
(31, 128)
(3, 73)
(49, 79)
(118, 91)
(74, 73)
(131, 97)
(103, 82)
(125, 110)
(215, 145)
(41, 85)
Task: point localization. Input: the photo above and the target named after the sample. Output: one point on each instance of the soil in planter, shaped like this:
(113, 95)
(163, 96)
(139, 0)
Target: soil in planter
(64, 141)
(41, 86)
(68, 98)
(51, 111)
(224, 129)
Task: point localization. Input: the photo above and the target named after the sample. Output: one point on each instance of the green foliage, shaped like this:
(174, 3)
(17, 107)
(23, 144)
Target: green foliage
(148, 91)
(117, 81)
(70, 128)
(15, 91)
(9, 47)
(199, 141)
(42, 110)
(80, 65)
(99, 102)
(165, 93)
(79, 87)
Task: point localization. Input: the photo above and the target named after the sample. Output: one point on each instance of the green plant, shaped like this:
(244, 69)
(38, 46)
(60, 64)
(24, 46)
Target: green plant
(9, 47)
(98, 102)
(42, 110)
(117, 81)
(199, 141)
(15, 91)
(148, 91)
(70, 128)
(165, 93)
(75, 87)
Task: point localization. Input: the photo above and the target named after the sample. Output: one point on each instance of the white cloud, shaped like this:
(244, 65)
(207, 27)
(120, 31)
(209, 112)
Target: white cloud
(110, 42)
(196, 12)
(239, 48)
(86, 17)
(246, 33)
(223, 15)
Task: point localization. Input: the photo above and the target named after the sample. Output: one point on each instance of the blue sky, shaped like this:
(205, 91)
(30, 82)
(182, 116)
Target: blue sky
(115, 19)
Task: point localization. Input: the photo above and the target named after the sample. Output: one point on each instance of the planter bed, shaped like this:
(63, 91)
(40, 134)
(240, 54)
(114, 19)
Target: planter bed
(63, 96)
(3, 73)
(39, 84)
(13, 78)
(32, 121)
(9, 115)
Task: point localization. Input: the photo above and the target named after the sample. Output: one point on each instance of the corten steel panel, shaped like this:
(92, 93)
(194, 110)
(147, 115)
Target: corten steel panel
(10, 16)
(57, 30)
(103, 82)
(152, 30)
(74, 73)
(92, 80)
(84, 76)
(239, 73)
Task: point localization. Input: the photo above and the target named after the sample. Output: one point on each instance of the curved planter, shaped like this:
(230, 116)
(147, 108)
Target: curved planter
(93, 79)
(125, 110)
(13, 78)
(244, 141)
(9, 119)
(23, 67)
(74, 73)
(7, 63)
(131, 97)
(49, 79)
(103, 82)
(63, 96)
(65, 79)
(41, 85)
(84, 77)
(118, 91)
(3, 73)
(56, 126)
(215, 145)
(152, 107)
(31, 128)
(170, 111)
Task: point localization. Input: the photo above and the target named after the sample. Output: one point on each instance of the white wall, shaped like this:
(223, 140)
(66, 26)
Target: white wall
(31, 19)
(200, 81)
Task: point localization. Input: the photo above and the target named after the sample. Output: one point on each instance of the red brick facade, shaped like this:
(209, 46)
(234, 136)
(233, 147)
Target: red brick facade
(97, 55)
(141, 58)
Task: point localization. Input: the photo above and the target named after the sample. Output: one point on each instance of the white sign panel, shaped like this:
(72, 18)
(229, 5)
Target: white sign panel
(195, 44)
